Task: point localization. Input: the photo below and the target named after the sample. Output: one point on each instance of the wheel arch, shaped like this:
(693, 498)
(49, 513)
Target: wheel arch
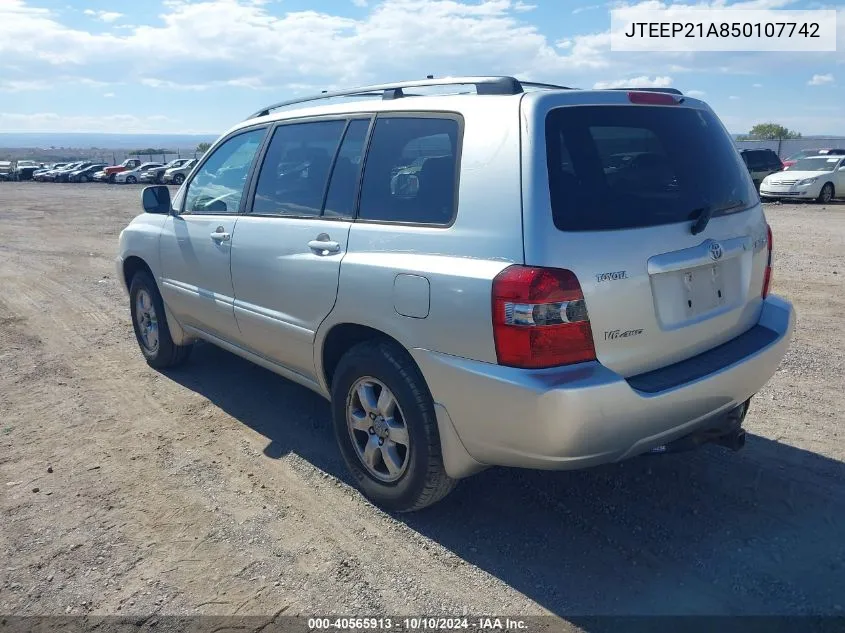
(340, 338)
(132, 265)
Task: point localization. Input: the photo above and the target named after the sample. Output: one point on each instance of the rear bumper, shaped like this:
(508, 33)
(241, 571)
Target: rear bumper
(585, 415)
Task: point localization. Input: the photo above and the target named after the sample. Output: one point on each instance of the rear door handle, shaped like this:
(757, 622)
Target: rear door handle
(324, 246)
(220, 236)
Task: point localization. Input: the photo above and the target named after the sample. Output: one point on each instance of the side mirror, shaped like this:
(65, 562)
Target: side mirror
(156, 199)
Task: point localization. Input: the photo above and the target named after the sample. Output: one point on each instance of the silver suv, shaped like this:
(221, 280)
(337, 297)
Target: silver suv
(516, 275)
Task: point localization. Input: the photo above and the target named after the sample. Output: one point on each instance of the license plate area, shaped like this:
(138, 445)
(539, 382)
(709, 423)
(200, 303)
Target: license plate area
(682, 297)
(703, 290)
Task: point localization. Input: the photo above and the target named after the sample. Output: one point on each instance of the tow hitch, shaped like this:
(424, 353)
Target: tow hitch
(727, 432)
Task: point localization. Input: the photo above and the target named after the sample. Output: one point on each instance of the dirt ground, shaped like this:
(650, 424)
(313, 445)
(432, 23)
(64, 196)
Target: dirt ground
(217, 488)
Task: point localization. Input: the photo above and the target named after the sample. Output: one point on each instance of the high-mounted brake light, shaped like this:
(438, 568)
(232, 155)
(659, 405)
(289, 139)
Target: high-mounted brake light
(767, 276)
(540, 318)
(652, 98)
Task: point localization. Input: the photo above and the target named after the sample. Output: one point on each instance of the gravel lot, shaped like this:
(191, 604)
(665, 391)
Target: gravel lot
(217, 488)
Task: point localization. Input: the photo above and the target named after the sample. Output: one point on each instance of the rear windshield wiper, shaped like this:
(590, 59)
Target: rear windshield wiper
(705, 213)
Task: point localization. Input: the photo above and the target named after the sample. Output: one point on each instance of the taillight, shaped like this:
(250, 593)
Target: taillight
(652, 98)
(540, 318)
(767, 277)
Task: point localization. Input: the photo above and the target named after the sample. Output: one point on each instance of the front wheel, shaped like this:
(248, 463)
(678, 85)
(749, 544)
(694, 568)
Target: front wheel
(826, 194)
(178, 179)
(131, 180)
(83, 179)
(150, 324)
(111, 178)
(386, 428)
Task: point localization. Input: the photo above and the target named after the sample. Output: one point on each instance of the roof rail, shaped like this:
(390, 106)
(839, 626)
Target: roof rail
(483, 85)
(673, 91)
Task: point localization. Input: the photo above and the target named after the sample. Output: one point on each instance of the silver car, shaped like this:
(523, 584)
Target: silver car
(474, 280)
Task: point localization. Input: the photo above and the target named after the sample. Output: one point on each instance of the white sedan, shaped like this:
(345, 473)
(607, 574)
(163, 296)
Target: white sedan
(131, 176)
(819, 178)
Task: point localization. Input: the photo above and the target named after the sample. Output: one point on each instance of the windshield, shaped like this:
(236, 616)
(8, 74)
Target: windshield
(613, 167)
(815, 164)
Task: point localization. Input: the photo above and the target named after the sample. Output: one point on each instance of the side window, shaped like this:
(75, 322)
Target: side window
(340, 201)
(755, 160)
(219, 184)
(410, 171)
(296, 168)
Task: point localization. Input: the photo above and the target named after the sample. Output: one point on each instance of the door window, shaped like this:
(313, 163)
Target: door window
(410, 175)
(219, 184)
(296, 169)
(340, 200)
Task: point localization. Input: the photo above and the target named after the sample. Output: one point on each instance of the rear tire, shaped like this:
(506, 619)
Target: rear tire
(111, 179)
(827, 193)
(150, 324)
(421, 480)
(83, 179)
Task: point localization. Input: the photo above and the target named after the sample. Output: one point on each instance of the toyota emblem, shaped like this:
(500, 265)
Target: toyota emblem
(716, 250)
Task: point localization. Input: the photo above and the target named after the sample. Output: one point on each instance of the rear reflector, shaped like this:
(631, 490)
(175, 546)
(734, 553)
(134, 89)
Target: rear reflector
(540, 318)
(652, 98)
(767, 277)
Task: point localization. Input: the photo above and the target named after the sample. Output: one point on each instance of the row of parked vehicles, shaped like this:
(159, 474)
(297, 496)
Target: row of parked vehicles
(813, 174)
(130, 171)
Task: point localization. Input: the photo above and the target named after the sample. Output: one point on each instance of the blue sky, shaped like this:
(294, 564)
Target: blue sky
(198, 66)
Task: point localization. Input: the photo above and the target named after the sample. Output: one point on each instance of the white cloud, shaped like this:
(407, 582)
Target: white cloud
(696, 93)
(820, 80)
(757, 85)
(105, 16)
(635, 82)
(359, 3)
(54, 122)
(108, 95)
(590, 7)
(236, 44)
(733, 98)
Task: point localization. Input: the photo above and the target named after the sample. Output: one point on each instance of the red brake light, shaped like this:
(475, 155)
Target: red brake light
(540, 318)
(652, 98)
(767, 277)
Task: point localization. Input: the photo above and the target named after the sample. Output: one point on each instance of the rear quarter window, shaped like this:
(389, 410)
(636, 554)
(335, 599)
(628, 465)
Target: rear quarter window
(618, 167)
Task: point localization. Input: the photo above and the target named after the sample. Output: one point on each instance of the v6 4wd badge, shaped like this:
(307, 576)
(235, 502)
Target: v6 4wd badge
(612, 335)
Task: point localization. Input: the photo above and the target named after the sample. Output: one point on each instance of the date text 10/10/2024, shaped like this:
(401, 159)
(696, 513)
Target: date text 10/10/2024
(416, 624)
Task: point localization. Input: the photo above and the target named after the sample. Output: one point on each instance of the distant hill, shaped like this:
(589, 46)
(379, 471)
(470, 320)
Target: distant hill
(83, 140)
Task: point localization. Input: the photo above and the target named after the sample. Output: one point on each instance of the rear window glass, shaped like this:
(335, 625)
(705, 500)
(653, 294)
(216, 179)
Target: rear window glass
(616, 167)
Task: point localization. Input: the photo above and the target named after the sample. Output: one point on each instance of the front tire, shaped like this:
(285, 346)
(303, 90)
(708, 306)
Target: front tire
(131, 180)
(111, 178)
(150, 325)
(83, 179)
(178, 179)
(826, 194)
(386, 428)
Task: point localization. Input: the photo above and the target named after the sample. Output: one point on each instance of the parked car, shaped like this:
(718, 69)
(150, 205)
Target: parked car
(806, 153)
(37, 173)
(177, 175)
(156, 175)
(820, 178)
(551, 310)
(112, 172)
(5, 170)
(86, 174)
(761, 163)
(132, 176)
(53, 174)
(25, 168)
(63, 175)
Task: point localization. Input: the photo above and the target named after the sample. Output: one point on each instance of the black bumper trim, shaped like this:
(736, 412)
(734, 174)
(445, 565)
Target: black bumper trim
(709, 362)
